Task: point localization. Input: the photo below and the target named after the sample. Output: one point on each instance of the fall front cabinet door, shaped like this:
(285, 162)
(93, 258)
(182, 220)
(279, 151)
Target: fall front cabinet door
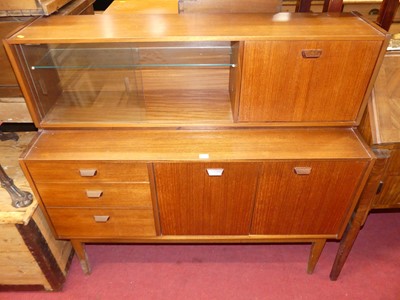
(305, 81)
(206, 198)
(305, 197)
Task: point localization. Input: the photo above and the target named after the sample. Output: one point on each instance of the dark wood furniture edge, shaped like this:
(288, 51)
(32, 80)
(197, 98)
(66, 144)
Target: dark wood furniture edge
(360, 213)
(40, 250)
(21, 288)
(387, 12)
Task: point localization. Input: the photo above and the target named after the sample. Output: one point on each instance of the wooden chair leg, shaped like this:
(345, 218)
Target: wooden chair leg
(387, 13)
(80, 251)
(316, 250)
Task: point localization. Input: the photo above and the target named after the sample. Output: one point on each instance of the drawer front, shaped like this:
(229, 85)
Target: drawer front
(82, 223)
(88, 171)
(129, 195)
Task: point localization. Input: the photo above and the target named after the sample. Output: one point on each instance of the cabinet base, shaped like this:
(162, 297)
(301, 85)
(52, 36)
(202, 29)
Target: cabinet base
(315, 253)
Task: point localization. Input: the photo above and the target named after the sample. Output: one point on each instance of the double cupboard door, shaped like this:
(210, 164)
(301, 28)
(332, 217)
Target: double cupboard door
(298, 197)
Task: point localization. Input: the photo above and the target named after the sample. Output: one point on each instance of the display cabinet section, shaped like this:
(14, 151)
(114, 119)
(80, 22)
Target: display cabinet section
(131, 83)
(206, 198)
(305, 81)
(306, 197)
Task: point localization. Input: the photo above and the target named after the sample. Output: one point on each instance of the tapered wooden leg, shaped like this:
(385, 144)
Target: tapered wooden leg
(345, 247)
(80, 251)
(316, 250)
(361, 212)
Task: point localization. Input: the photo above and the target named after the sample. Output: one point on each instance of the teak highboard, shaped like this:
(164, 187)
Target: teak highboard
(198, 128)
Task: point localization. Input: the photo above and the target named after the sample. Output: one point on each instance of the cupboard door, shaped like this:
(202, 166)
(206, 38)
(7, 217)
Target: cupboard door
(305, 197)
(303, 81)
(206, 198)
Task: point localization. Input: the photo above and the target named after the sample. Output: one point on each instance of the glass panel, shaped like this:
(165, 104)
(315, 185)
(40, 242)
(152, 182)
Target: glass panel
(130, 83)
(146, 55)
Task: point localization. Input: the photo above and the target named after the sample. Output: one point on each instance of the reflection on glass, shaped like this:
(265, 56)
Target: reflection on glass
(131, 83)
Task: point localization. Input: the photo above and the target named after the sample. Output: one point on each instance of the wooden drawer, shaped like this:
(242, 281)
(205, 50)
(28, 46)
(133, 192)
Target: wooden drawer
(132, 195)
(81, 223)
(103, 171)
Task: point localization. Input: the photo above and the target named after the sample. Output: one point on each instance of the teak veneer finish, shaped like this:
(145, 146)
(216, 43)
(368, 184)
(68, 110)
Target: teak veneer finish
(196, 27)
(293, 85)
(267, 76)
(250, 201)
(193, 203)
(211, 142)
(110, 149)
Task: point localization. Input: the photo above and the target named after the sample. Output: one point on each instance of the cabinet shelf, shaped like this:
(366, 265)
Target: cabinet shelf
(170, 108)
(136, 66)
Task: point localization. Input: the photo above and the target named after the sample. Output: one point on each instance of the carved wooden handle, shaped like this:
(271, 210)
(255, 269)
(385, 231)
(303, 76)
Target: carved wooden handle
(302, 170)
(311, 53)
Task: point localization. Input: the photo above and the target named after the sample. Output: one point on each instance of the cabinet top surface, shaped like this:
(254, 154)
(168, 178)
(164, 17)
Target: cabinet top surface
(197, 145)
(195, 27)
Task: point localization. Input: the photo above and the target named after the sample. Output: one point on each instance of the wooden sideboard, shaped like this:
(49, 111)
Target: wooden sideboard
(198, 128)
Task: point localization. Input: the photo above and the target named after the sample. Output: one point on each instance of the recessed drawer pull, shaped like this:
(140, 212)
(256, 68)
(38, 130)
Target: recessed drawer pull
(94, 193)
(87, 172)
(101, 219)
(215, 172)
(302, 170)
(311, 53)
